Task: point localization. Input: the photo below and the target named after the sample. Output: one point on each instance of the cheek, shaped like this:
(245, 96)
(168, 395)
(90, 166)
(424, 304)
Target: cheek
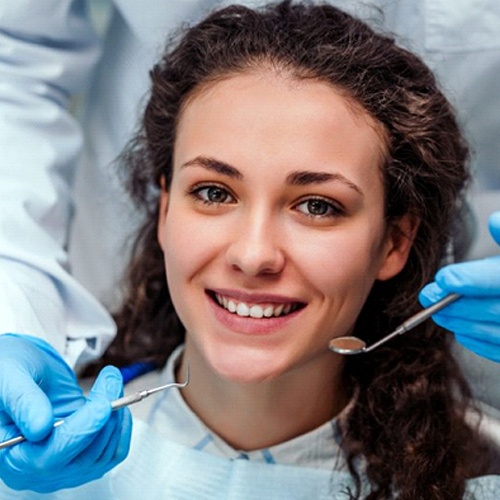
(181, 248)
(343, 262)
(189, 243)
(183, 253)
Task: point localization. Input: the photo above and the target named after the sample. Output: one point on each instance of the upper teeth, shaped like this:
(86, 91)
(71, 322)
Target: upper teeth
(254, 310)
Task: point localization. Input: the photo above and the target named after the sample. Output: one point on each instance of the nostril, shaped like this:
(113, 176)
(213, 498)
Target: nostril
(255, 261)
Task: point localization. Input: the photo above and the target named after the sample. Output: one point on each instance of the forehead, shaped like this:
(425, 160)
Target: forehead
(279, 116)
(280, 77)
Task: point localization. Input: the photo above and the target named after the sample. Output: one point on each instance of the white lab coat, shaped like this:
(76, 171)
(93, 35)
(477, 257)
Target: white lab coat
(64, 219)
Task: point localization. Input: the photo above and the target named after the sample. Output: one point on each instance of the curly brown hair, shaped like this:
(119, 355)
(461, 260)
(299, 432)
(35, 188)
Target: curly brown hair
(408, 421)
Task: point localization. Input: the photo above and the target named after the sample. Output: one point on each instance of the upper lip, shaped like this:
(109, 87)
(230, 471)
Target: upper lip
(241, 296)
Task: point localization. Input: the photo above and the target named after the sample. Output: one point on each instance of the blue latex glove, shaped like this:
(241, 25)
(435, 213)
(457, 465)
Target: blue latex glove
(474, 317)
(37, 385)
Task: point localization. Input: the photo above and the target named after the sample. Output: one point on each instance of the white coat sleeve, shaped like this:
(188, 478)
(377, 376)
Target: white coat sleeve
(48, 50)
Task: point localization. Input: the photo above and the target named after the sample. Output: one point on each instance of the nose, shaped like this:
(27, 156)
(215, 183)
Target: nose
(256, 248)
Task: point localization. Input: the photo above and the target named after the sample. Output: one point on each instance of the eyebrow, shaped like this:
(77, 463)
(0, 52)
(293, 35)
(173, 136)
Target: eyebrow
(306, 177)
(214, 165)
(297, 178)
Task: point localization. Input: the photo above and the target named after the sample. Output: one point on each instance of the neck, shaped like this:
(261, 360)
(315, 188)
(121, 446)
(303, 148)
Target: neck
(255, 415)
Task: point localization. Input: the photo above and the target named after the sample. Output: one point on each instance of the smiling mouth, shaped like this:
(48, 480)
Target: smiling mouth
(254, 310)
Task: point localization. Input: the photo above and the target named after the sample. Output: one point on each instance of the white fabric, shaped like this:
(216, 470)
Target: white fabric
(48, 53)
(63, 229)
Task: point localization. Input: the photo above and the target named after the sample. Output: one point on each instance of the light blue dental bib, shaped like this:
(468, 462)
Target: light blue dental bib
(167, 470)
(158, 469)
(181, 473)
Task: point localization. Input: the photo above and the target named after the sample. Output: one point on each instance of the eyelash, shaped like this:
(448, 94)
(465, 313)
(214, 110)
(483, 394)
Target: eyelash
(196, 191)
(333, 209)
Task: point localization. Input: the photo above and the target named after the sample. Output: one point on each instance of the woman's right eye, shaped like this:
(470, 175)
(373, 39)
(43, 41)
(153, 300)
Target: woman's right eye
(213, 194)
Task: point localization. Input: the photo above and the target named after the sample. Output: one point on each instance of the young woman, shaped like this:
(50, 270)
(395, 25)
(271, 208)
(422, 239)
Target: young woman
(301, 178)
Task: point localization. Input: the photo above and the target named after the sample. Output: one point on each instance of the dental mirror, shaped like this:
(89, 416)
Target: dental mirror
(353, 345)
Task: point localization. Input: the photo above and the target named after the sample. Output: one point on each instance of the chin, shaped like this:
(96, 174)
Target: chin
(248, 367)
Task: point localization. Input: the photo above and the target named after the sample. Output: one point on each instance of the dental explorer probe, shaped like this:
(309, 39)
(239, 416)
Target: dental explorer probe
(126, 400)
(354, 345)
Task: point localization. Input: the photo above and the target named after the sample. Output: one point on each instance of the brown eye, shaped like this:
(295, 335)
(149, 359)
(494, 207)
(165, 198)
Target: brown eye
(213, 194)
(216, 194)
(319, 208)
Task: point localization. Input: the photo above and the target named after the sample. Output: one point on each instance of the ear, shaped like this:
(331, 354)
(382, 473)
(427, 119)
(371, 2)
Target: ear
(162, 213)
(397, 246)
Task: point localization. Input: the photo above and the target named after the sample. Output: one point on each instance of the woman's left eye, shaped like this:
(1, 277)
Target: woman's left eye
(318, 208)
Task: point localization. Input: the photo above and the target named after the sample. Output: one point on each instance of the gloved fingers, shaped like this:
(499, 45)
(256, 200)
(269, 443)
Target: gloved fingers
(119, 443)
(4, 419)
(108, 385)
(484, 349)
(8, 430)
(65, 442)
(24, 402)
(65, 395)
(476, 277)
(119, 430)
(96, 460)
(431, 293)
(115, 441)
(489, 333)
(475, 310)
(494, 226)
(123, 445)
(35, 383)
(76, 433)
(25, 463)
(110, 447)
(104, 449)
(104, 443)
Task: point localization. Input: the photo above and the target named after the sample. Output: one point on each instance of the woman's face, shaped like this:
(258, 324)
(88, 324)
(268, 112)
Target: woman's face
(273, 229)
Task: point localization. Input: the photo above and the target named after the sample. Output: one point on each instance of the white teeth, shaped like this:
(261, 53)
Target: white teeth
(243, 310)
(278, 310)
(268, 311)
(254, 310)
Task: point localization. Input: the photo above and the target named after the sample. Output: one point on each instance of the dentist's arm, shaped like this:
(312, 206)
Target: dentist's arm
(47, 53)
(475, 317)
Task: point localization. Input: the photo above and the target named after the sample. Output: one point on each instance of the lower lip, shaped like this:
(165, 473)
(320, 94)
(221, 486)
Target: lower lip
(248, 325)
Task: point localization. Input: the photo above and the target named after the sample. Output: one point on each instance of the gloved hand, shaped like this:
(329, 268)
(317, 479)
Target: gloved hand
(474, 317)
(37, 385)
